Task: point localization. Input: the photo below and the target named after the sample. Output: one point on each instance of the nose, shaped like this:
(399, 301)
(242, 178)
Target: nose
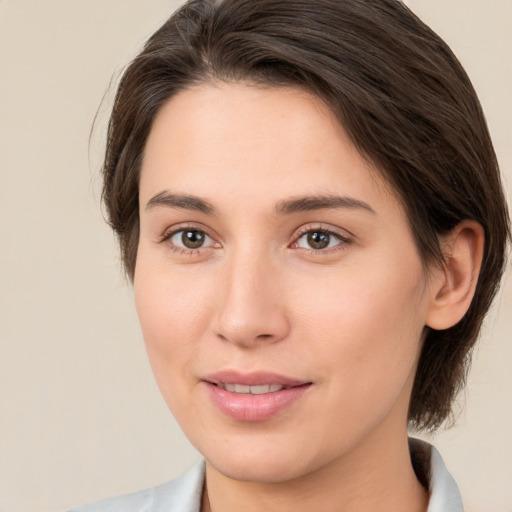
(251, 308)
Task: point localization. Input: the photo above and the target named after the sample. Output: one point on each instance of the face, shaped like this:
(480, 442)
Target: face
(281, 295)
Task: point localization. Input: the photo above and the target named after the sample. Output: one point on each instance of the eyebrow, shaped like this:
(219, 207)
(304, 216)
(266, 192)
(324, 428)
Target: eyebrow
(285, 207)
(180, 201)
(320, 202)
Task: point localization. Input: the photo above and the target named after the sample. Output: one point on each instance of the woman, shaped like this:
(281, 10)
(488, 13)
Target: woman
(309, 205)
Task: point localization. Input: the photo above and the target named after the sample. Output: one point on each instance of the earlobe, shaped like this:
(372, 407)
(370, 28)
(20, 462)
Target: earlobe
(454, 284)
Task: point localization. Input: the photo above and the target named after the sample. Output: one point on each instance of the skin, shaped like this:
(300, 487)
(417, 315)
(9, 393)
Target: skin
(255, 296)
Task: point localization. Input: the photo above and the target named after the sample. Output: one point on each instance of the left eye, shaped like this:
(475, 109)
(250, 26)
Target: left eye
(318, 239)
(190, 239)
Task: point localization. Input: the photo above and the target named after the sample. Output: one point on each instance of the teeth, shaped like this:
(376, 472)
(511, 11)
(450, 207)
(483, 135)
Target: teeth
(259, 390)
(253, 390)
(240, 388)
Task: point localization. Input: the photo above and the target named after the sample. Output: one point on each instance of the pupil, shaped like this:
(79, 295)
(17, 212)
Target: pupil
(192, 239)
(318, 240)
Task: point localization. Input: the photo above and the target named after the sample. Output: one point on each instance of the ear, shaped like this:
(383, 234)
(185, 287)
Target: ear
(453, 285)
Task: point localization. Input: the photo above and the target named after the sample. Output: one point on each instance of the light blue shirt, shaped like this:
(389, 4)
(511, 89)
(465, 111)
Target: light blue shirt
(184, 493)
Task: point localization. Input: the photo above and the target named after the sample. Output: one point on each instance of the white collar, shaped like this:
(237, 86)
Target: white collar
(444, 493)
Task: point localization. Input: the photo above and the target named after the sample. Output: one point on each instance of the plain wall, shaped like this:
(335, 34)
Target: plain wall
(80, 416)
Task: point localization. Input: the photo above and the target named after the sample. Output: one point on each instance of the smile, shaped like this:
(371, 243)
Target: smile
(255, 396)
(253, 390)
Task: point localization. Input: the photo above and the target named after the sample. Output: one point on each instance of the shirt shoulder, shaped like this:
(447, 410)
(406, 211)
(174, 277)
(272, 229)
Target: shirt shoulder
(180, 495)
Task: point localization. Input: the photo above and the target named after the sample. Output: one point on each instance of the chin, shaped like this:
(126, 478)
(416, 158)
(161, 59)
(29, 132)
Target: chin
(259, 471)
(272, 463)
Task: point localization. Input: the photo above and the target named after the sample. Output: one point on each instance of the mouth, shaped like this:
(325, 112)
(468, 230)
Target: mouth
(254, 383)
(255, 396)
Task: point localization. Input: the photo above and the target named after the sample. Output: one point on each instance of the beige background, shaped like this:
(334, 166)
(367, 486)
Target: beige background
(80, 416)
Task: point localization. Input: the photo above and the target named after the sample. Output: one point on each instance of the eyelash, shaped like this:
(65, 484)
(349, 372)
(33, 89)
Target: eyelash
(342, 241)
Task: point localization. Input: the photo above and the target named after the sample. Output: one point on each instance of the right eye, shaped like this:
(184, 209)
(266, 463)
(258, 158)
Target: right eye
(190, 239)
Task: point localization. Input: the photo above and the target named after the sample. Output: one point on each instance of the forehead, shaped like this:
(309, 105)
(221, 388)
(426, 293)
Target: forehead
(244, 117)
(239, 139)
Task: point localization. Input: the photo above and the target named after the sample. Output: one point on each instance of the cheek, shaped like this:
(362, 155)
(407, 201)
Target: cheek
(366, 325)
(170, 304)
(172, 311)
(358, 303)
(368, 352)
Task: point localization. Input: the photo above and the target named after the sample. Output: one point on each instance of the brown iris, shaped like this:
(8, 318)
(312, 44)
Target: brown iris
(318, 239)
(192, 239)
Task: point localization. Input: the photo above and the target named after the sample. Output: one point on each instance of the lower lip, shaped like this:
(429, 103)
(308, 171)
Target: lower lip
(252, 408)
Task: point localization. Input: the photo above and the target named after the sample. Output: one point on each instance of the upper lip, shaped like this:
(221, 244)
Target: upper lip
(256, 378)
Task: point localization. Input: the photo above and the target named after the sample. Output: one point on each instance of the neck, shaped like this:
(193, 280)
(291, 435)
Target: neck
(378, 476)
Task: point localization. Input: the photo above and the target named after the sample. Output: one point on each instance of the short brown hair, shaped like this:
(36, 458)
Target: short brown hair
(397, 89)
